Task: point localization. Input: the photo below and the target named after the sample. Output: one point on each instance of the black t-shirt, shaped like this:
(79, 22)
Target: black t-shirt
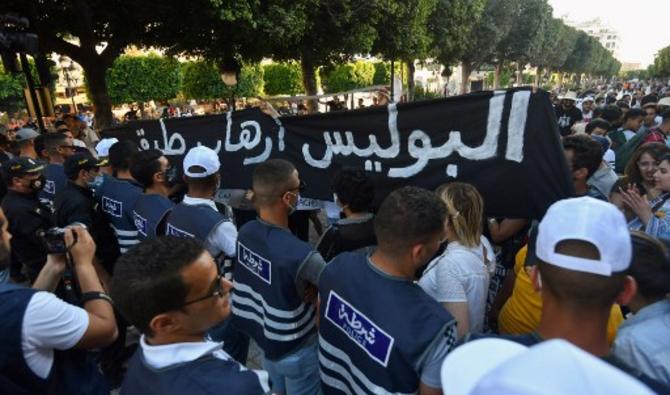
(567, 118)
(347, 235)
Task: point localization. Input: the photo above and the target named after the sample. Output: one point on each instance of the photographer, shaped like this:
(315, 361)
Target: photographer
(37, 327)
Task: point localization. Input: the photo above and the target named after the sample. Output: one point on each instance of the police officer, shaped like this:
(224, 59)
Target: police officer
(38, 331)
(379, 331)
(197, 215)
(272, 272)
(153, 171)
(24, 179)
(118, 195)
(59, 146)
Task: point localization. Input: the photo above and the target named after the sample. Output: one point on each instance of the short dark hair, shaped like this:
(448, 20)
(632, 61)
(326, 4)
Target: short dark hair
(407, 216)
(354, 189)
(54, 140)
(622, 104)
(120, 154)
(650, 266)
(147, 279)
(611, 113)
(597, 123)
(587, 153)
(202, 183)
(666, 115)
(270, 180)
(633, 113)
(580, 290)
(143, 166)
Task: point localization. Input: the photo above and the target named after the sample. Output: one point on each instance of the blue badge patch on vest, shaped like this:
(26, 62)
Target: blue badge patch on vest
(112, 207)
(140, 223)
(49, 187)
(254, 263)
(359, 328)
(174, 231)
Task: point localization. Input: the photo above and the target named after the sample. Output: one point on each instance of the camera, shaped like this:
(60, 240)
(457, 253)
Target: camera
(54, 239)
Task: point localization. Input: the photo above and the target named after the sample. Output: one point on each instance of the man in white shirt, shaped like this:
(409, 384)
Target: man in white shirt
(36, 324)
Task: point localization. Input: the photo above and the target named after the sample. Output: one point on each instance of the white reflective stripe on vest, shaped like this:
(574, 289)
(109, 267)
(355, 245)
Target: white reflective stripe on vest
(272, 335)
(128, 242)
(343, 367)
(285, 326)
(269, 309)
(124, 233)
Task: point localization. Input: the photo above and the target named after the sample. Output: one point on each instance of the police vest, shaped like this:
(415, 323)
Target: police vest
(117, 200)
(266, 303)
(16, 377)
(54, 181)
(73, 371)
(149, 212)
(213, 373)
(373, 329)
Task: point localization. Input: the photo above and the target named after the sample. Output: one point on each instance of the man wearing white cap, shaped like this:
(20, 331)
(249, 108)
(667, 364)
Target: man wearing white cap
(554, 367)
(567, 114)
(587, 109)
(583, 250)
(25, 142)
(102, 151)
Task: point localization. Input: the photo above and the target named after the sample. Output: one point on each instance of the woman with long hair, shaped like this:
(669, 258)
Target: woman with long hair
(642, 166)
(459, 278)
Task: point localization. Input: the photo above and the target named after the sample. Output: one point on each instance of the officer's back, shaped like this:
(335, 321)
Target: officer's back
(118, 195)
(378, 330)
(152, 170)
(272, 272)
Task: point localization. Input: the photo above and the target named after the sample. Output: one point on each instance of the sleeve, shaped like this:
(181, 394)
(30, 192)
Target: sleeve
(225, 238)
(310, 270)
(327, 244)
(449, 286)
(77, 212)
(50, 323)
(659, 224)
(429, 368)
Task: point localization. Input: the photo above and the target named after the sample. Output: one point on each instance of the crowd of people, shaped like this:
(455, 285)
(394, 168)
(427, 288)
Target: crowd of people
(121, 270)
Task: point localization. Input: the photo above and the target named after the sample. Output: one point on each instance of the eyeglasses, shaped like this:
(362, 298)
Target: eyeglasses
(216, 291)
(301, 187)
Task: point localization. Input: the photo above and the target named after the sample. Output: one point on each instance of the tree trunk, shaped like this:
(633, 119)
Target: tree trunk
(466, 70)
(538, 76)
(411, 68)
(309, 82)
(519, 74)
(496, 75)
(97, 87)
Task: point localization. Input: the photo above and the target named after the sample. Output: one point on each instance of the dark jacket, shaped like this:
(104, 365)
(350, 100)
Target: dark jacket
(353, 235)
(26, 217)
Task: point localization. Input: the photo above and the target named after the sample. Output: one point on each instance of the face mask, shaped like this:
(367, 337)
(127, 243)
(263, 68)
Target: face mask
(97, 181)
(293, 208)
(171, 177)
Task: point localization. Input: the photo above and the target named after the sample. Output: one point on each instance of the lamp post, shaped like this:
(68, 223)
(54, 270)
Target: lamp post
(67, 67)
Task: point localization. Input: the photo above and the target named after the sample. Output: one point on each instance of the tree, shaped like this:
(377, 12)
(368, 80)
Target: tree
(524, 39)
(450, 25)
(143, 78)
(201, 80)
(92, 33)
(283, 78)
(491, 27)
(558, 41)
(11, 91)
(403, 33)
(347, 76)
(662, 62)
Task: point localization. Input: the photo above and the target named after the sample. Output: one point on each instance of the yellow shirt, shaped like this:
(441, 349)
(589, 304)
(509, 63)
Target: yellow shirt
(521, 312)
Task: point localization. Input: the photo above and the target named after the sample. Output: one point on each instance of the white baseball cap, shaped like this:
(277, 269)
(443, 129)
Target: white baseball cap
(103, 146)
(204, 157)
(591, 220)
(494, 366)
(24, 134)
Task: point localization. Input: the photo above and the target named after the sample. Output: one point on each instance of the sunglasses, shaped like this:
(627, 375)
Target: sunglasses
(301, 187)
(215, 291)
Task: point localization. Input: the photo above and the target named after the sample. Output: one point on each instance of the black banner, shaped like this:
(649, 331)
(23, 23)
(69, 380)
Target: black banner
(506, 143)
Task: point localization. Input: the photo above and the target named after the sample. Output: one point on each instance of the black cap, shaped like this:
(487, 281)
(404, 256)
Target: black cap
(79, 162)
(17, 167)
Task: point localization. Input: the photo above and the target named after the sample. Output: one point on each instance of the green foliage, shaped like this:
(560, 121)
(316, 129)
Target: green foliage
(662, 63)
(422, 94)
(283, 79)
(382, 74)
(143, 78)
(506, 77)
(11, 91)
(524, 40)
(403, 29)
(202, 80)
(348, 76)
(450, 25)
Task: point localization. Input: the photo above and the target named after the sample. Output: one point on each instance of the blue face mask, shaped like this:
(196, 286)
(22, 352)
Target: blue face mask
(97, 181)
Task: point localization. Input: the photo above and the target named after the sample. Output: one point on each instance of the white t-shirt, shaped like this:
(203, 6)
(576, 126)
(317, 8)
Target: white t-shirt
(460, 274)
(50, 323)
(610, 158)
(629, 134)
